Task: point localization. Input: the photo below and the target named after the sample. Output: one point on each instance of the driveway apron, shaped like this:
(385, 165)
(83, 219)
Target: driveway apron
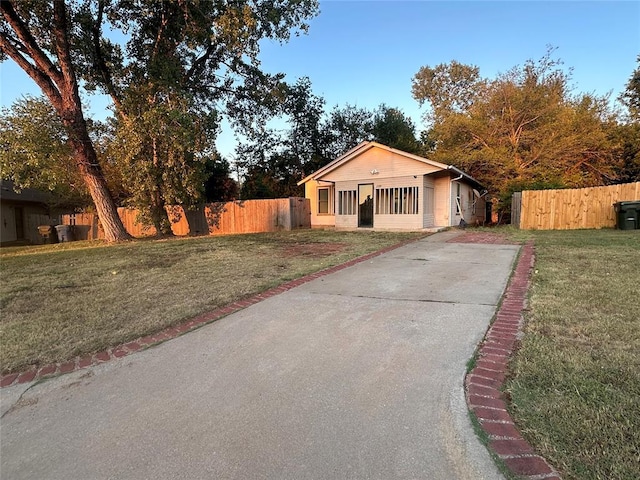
(355, 375)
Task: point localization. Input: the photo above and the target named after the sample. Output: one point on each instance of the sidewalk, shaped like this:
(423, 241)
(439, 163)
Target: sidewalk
(357, 374)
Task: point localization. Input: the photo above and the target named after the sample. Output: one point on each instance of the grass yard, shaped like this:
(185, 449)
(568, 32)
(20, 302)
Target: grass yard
(60, 301)
(575, 389)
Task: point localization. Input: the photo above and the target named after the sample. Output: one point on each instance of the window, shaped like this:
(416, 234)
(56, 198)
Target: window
(347, 202)
(397, 201)
(323, 201)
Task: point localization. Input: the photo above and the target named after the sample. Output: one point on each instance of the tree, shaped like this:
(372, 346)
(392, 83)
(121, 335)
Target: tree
(275, 160)
(181, 64)
(219, 186)
(525, 129)
(631, 96)
(447, 87)
(391, 127)
(626, 135)
(36, 153)
(37, 36)
(345, 128)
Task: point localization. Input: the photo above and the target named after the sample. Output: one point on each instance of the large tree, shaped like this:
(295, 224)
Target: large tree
(178, 64)
(38, 37)
(524, 129)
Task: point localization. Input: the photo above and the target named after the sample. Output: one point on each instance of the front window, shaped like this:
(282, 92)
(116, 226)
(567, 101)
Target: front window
(323, 201)
(347, 201)
(397, 201)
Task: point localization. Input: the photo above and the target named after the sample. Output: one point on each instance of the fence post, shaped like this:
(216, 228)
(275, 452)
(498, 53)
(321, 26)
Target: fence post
(516, 209)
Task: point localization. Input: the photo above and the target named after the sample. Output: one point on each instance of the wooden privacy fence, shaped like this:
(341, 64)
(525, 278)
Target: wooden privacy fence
(248, 216)
(571, 209)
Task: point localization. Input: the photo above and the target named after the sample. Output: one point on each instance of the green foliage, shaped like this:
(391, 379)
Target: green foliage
(392, 128)
(34, 152)
(631, 96)
(522, 129)
(446, 87)
(219, 186)
(275, 161)
(346, 128)
(172, 69)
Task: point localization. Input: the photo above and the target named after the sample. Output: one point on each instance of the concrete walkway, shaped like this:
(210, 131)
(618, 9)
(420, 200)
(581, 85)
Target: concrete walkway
(356, 375)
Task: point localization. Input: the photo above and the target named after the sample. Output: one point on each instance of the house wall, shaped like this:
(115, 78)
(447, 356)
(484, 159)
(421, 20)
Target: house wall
(387, 164)
(384, 169)
(311, 192)
(400, 221)
(8, 224)
(467, 199)
(32, 217)
(442, 209)
(428, 202)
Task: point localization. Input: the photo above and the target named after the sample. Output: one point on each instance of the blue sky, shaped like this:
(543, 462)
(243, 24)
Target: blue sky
(365, 53)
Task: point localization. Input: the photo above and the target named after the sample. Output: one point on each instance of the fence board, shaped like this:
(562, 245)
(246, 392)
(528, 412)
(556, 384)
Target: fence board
(248, 216)
(572, 208)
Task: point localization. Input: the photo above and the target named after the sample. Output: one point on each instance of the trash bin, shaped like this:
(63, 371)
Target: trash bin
(627, 215)
(64, 233)
(47, 233)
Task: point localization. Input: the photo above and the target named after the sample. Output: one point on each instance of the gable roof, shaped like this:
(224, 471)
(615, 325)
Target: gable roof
(364, 146)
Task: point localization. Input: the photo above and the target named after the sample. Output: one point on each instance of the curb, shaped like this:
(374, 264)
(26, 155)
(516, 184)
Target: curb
(484, 397)
(168, 333)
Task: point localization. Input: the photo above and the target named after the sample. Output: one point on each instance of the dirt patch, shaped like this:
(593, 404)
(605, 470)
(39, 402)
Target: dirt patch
(312, 250)
(483, 237)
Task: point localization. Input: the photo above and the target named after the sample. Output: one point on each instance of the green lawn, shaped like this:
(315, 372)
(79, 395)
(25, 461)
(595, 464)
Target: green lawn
(575, 389)
(60, 301)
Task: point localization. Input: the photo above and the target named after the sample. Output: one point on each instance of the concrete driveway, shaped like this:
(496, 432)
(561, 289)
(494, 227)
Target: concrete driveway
(355, 375)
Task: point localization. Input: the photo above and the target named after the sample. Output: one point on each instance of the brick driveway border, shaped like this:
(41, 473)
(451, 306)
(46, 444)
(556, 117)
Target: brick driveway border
(142, 343)
(484, 382)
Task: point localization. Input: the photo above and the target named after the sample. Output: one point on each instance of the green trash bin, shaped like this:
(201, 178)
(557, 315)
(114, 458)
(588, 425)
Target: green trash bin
(627, 215)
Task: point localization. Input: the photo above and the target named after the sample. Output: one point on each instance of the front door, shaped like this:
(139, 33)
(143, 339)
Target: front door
(365, 205)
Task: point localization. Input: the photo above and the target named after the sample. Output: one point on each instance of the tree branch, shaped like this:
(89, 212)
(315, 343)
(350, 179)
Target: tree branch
(29, 43)
(101, 66)
(45, 82)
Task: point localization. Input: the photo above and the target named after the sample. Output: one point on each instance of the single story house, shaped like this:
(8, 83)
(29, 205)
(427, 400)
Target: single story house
(376, 186)
(21, 212)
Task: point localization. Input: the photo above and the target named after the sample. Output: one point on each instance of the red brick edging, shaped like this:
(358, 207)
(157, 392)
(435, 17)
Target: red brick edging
(483, 383)
(142, 343)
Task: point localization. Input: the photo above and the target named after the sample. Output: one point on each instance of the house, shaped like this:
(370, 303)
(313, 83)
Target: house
(21, 212)
(375, 186)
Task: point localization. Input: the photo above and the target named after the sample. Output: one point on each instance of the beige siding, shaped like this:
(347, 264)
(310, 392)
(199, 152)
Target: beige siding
(400, 221)
(387, 164)
(32, 217)
(467, 199)
(442, 201)
(432, 206)
(428, 203)
(348, 221)
(311, 192)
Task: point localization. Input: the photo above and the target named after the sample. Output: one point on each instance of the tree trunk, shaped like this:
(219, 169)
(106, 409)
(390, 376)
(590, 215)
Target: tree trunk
(159, 216)
(87, 162)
